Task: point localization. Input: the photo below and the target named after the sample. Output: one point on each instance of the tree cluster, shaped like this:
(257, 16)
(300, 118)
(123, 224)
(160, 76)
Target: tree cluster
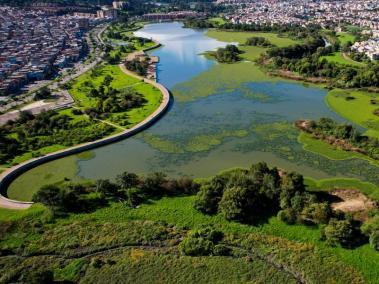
(137, 66)
(258, 41)
(306, 59)
(128, 187)
(42, 94)
(297, 50)
(227, 54)
(32, 132)
(110, 100)
(252, 195)
(196, 23)
(328, 129)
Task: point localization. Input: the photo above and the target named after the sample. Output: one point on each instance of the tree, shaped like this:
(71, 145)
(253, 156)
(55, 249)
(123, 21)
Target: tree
(340, 232)
(234, 204)
(317, 213)
(43, 93)
(208, 198)
(371, 229)
(127, 180)
(229, 54)
(288, 216)
(374, 240)
(106, 187)
(135, 196)
(291, 184)
(51, 196)
(153, 184)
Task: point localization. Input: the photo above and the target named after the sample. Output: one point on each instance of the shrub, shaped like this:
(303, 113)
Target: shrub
(374, 240)
(316, 213)
(371, 229)
(203, 242)
(196, 247)
(287, 216)
(221, 250)
(234, 204)
(39, 277)
(340, 232)
(51, 196)
(208, 198)
(76, 111)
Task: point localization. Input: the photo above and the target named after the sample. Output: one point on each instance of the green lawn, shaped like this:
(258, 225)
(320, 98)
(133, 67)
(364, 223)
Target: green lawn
(93, 79)
(251, 53)
(345, 37)
(369, 189)
(241, 37)
(79, 90)
(136, 115)
(217, 21)
(329, 151)
(36, 211)
(338, 57)
(356, 106)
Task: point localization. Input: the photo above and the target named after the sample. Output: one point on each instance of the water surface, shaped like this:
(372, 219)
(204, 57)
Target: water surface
(227, 128)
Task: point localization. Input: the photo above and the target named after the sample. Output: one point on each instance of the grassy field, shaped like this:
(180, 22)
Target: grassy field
(356, 106)
(369, 189)
(323, 148)
(93, 79)
(144, 266)
(240, 37)
(251, 53)
(217, 21)
(79, 91)
(179, 211)
(133, 243)
(345, 37)
(338, 57)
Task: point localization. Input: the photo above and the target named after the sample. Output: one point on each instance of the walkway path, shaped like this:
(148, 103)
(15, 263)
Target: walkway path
(8, 175)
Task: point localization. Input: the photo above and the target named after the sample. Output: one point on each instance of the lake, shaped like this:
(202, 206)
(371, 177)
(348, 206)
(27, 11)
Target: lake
(218, 120)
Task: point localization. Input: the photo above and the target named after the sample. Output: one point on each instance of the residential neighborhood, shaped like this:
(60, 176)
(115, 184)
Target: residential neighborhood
(369, 47)
(363, 14)
(37, 42)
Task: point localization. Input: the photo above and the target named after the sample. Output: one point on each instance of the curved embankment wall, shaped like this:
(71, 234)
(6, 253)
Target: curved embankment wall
(10, 174)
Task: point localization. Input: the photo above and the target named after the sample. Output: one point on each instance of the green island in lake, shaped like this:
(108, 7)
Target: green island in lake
(260, 164)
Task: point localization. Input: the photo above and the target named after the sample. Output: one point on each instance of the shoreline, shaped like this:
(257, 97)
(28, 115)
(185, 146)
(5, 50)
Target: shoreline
(8, 175)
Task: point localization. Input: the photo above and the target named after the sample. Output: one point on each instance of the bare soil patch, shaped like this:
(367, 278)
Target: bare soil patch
(352, 201)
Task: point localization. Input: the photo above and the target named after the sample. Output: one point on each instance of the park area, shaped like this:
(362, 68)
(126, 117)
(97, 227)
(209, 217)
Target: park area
(81, 88)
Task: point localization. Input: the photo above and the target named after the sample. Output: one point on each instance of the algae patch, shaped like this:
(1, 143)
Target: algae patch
(198, 143)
